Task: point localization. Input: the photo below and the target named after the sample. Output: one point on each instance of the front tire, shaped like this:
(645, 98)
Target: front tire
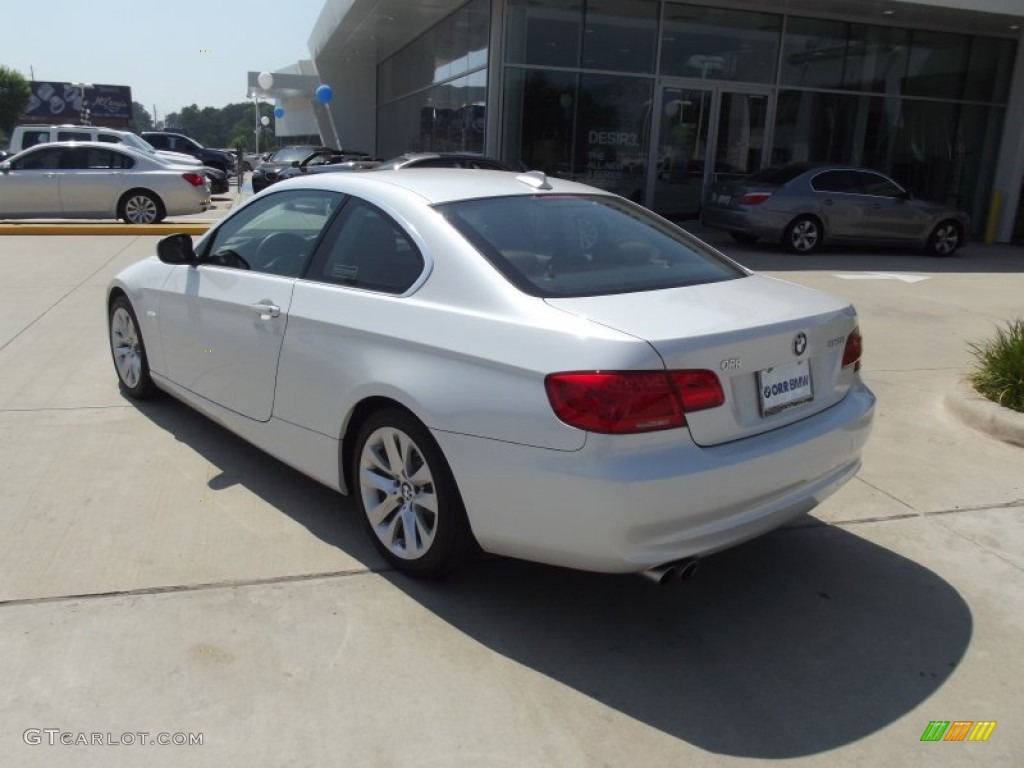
(945, 238)
(803, 235)
(140, 207)
(129, 351)
(407, 497)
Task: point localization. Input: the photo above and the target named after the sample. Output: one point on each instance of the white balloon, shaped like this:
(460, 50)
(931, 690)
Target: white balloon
(265, 120)
(266, 80)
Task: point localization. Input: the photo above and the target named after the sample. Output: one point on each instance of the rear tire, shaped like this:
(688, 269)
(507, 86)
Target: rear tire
(407, 497)
(945, 239)
(803, 235)
(140, 207)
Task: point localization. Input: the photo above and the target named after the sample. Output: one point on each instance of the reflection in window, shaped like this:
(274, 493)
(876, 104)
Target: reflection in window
(539, 109)
(876, 58)
(813, 52)
(451, 117)
(713, 44)
(936, 65)
(989, 69)
(619, 35)
(545, 33)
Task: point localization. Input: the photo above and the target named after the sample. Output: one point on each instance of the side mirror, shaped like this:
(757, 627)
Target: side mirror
(5, 167)
(176, 249)
(295, 163)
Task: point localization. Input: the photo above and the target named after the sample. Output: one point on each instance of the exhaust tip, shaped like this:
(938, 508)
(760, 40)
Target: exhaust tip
(661, 575)
(687, 570)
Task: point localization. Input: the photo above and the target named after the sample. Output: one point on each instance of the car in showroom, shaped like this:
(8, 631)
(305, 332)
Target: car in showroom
(98, 180)
(526, 365)
(805, 205)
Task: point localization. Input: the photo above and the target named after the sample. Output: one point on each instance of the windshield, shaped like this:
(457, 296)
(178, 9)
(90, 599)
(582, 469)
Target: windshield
(583, 245)
(133, 140)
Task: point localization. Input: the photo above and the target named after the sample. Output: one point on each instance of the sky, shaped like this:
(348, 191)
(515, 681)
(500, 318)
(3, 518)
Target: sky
(171, 54)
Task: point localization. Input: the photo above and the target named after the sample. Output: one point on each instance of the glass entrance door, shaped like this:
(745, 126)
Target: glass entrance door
(703, 134)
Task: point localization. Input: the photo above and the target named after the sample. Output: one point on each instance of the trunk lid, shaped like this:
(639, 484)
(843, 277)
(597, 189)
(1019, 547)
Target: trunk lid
(755, 333)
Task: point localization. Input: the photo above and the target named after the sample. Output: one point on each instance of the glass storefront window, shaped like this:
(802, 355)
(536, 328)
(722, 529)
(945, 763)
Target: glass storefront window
(989, 69)
(612, 133)
(813, 52)
(620, 35)
(936, 65)
(715, 44)
(539, 111)
(543, 32)
(876, 58)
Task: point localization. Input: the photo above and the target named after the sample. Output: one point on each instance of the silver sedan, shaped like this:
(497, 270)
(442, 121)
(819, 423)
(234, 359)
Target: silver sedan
(805, 205)
(98, 180)
(529, 365)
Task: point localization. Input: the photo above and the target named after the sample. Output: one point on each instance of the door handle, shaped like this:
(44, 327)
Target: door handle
(267, 310)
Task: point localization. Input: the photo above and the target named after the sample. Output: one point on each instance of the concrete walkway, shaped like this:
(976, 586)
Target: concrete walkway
(159, 576)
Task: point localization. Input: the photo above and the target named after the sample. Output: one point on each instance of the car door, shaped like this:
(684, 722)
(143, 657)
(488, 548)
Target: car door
(843, 209)
(222, 321)
(31, 187)
(892, 216)
(91, 185)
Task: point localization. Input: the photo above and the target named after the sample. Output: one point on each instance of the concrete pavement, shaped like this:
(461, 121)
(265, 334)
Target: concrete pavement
(159, 575)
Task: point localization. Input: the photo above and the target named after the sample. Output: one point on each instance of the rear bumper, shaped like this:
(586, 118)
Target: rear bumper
(627, 503)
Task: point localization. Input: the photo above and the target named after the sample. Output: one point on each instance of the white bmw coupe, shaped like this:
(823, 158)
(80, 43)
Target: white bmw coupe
(524, 364)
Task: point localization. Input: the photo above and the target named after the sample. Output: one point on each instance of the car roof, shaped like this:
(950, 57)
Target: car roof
(126, 148)
(443, 185)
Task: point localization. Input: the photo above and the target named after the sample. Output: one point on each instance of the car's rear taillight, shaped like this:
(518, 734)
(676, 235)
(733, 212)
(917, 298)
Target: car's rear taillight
(853, 350)
(195, 179)
(620, 402)
(754, 198)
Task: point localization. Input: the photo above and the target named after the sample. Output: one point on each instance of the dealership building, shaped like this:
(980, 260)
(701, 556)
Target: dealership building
(657, 99)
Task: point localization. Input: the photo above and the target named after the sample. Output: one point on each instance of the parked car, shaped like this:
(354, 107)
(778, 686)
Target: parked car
(805, 205)
(96, 180)
(25, 136)
(267, 172)
(177, 142)
(442, 160)
(534, 364)
(329, 162)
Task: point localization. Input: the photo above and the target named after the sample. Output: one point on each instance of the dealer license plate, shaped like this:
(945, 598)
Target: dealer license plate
(784, 386)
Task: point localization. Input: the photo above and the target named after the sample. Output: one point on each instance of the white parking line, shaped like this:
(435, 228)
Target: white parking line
(883, 276)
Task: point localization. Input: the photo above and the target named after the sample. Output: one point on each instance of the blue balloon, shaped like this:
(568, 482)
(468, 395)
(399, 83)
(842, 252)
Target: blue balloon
(324, 94)
(278, 112)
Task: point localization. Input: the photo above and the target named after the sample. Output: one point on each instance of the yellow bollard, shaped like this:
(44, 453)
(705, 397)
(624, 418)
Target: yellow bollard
(993, 216)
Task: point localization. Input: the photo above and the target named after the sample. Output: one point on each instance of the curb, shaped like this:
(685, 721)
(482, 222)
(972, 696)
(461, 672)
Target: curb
(982, 414)
(139, 230)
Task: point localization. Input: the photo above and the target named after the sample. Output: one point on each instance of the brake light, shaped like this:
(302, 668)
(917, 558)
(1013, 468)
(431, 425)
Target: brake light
(195, 179)
(853, 350)
(754, 198)
(623, 402)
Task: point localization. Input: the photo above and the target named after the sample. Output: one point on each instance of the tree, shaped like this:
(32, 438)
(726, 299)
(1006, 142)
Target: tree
(141, 119)
(14, 95)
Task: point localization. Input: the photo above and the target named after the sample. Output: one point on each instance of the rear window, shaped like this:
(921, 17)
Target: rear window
(581, 245)
(775, 175)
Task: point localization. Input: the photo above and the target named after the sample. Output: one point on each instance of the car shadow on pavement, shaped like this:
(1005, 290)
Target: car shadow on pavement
(794, 644)
(323, 512)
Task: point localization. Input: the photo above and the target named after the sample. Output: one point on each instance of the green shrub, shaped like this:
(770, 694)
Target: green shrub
(999, 368)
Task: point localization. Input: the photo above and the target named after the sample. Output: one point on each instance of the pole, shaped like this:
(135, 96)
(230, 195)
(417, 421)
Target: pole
(256, 104)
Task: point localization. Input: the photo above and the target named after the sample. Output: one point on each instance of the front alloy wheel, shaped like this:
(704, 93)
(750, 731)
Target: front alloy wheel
(407, 496)
(128, 351)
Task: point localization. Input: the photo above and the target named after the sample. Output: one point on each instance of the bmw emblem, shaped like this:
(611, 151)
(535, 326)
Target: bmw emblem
(799, 343)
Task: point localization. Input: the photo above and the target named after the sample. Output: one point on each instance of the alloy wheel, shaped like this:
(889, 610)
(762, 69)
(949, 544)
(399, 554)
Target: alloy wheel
(124, 342)
(140, 209)
(946, 239)
(804, 235)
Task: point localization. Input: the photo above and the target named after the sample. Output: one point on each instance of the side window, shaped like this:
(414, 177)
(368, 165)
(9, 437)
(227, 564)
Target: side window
(108, 138)
(275, 235)
(834, 181)
(48, 159)
(31, 138)
(873, 184)
(158, 141)
(73, 136)
(367, 249)
(105, 159)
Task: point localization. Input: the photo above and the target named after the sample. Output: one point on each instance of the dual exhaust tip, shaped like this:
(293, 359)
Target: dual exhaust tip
(681, 570)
